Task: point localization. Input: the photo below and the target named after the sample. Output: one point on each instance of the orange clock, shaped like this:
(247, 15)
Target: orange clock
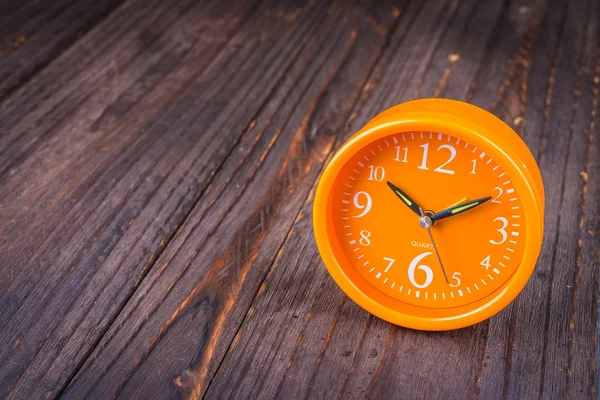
(431, 216)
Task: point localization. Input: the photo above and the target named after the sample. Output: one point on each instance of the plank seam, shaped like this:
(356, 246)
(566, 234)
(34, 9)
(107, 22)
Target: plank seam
(452, 62)
(363, 89)
(167, 240)
(416, 91)
(495, 32)
(249, 127)
(74, 39)
(558, 219)
(582, 232)
(575, 281)
(110, 220)
(361, 342)
(47, 133)
(325, 345)
(519, 67)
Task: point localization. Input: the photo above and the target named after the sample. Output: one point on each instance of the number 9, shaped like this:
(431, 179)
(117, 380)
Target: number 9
(366, 207)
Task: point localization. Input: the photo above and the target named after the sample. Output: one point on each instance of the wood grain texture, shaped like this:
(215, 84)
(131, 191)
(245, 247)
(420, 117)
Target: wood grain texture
(59, 302)
(157, 175)
(220, 256)
(355, 354)
(537, 335)
(33, 33)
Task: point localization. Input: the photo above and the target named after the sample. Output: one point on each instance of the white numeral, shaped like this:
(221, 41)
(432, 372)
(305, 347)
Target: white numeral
(499, 189)
(485, 262)
(365, 207)
(364, 238)
(390, 262)
(414, 265)
(441, 167)
(425, 150)
(452, 155)
(501, 230)
(455, 276)
(405, 152)
(474, 165)
(376, 173)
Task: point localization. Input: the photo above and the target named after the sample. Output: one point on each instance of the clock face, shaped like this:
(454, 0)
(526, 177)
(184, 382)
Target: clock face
(428, 219)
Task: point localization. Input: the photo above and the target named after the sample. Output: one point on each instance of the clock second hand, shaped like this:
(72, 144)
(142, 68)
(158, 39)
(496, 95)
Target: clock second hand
(425, 222)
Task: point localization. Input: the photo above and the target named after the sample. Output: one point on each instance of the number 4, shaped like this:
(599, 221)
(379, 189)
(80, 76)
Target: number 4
(486, 262)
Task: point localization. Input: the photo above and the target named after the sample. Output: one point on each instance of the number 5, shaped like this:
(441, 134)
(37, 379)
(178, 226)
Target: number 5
(455, 276)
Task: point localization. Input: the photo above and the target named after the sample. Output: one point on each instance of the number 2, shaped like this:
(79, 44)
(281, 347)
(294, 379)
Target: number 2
(497, 189)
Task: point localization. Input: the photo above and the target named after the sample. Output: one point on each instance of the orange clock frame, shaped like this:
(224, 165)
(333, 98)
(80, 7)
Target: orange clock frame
(465, 122)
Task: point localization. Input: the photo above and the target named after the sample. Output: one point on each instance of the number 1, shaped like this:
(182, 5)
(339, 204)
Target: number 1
(425, 150)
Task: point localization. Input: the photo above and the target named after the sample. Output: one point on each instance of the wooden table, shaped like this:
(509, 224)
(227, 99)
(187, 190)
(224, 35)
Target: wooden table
(158, 162)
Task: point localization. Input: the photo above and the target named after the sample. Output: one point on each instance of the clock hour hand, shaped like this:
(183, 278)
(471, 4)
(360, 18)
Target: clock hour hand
(459, 208)
(405, 198)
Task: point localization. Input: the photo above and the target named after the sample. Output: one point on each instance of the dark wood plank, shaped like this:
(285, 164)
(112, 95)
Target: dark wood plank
(582, 179)
(570, 145)
(302, 337)
(34, 33)
(556, 111)
(109, 210)
(209, 274)
(156, 184)
(97, 70)
(87, 168)
(509, 105)
(585, 379)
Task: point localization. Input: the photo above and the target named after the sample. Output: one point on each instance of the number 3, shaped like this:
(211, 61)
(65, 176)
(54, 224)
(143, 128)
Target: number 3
(501, 230)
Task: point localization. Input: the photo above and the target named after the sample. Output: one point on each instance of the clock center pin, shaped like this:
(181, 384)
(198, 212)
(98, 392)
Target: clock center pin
(425, 221)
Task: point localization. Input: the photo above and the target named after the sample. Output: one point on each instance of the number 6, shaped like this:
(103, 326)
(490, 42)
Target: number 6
(428, 272)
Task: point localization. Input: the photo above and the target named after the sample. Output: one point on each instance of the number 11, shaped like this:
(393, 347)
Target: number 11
(405, 150)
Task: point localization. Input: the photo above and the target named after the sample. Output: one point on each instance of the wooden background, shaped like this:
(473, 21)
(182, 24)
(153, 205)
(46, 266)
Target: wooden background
(158, 162)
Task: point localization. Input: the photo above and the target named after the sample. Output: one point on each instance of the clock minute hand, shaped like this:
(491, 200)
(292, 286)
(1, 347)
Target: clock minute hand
(426, 223)
(405, 198)
(460, 208)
